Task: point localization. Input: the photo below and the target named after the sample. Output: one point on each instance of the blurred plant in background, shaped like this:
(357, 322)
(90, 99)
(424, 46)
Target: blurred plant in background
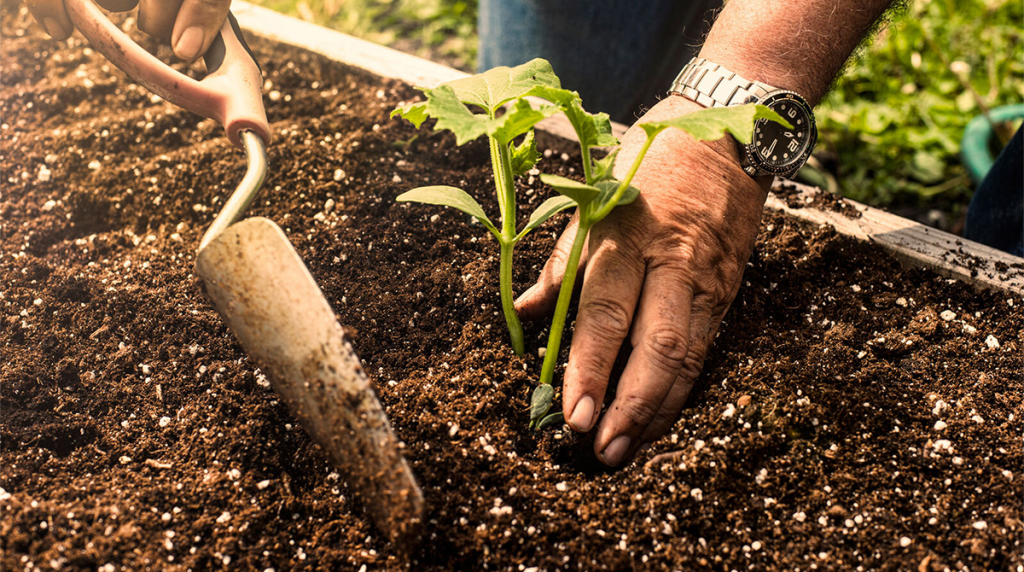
(439, 30)
(891, 128)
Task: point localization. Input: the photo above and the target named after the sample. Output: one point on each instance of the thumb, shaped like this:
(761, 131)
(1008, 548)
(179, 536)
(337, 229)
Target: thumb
(197, 25)
(539, 300)
(52, 16)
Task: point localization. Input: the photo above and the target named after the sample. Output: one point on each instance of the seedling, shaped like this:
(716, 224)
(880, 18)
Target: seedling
(507, 88)
(489, 92)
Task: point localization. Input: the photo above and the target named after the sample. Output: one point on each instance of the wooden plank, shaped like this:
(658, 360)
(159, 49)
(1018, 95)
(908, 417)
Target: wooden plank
(912, 242)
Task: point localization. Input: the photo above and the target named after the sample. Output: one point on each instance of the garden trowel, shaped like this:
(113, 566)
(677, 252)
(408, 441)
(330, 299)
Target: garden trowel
(261, 287)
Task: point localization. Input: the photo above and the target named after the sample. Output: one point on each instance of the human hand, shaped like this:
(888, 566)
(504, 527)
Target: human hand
(662, 270)
(189, 25)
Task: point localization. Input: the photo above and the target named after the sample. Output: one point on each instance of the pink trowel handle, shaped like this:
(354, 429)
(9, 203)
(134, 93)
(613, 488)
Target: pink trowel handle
(230, 93)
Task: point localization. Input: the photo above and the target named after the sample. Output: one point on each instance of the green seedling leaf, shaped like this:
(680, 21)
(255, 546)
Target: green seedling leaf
(448, 197)
(415, 113)
(451, 114)
(603, 167)
(498, 86)
(553, 419)
(546, 210)
(592, 129)
(518, 120)
(582, 193)
(713, 123)
(608, 189)
(525, 155)
(540, 403)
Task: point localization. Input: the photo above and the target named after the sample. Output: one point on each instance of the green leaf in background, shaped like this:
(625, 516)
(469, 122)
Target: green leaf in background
(448, 197)
(582, 193)
(540, 403)
(525, 155)
(496, 87)
(603, 167)
(927, 167)
(546, 210)
(713, 123)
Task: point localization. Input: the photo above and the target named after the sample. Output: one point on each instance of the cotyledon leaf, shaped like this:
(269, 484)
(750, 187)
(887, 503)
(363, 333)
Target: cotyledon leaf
(448, 197)
(540, 402)
(608, 188)
(582, 193)
(713, 123)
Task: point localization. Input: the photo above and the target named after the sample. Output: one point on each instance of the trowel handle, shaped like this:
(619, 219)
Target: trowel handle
(231, 92)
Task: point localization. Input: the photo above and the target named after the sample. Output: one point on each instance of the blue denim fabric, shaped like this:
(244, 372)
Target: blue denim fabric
(996, 214)
(618, 54)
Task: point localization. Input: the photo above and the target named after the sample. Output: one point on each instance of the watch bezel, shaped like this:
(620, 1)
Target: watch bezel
(757, 163)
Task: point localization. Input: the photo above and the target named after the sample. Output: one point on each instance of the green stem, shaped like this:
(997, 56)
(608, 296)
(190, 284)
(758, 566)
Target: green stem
(588, 175)
(599, 215)
(515, 328)
(505, 186)
(547, 371)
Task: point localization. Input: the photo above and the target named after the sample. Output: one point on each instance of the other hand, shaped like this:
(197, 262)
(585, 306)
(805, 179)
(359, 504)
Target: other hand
(662, 271)
(189, 25)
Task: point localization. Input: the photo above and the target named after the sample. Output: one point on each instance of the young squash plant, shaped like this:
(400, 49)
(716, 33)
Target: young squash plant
(594, 198)
(452, 104)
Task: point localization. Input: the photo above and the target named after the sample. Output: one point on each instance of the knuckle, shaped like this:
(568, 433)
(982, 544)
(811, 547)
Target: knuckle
(638, 410)
(667, 346)
(609, 317)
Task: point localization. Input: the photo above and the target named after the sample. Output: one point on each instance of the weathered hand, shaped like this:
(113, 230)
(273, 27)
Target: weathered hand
(662, 270)
(189, 25)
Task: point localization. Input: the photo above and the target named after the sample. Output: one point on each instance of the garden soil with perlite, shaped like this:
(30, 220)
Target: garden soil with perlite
(852, 414)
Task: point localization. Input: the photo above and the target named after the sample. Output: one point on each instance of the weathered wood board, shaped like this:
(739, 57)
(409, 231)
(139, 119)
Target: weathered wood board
(912, 242)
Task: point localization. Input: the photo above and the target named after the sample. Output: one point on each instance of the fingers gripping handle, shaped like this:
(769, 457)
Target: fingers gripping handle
(230, 93)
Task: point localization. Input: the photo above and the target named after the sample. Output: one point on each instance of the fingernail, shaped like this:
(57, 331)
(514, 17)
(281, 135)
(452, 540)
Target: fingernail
(55, 30)
(582, 418)
(615, 452)
(189, 43)
(526, 294)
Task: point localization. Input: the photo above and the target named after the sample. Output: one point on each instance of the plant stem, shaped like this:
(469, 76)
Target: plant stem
(588, 175)
(515, 328)
(505, 187)
(547, 371)
(611, 204)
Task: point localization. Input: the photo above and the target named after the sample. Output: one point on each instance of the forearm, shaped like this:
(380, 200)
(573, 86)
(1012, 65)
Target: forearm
(798, 45)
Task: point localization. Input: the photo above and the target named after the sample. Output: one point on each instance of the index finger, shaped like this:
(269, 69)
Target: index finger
(611, 287)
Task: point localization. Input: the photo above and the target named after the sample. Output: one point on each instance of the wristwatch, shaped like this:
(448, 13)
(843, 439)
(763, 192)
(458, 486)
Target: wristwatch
(774, 149)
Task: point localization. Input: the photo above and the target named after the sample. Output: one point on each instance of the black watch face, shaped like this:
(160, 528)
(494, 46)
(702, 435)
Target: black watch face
(778, 149)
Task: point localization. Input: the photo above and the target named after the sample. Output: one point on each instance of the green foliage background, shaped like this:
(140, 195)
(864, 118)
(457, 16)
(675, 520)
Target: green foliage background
(889, 131)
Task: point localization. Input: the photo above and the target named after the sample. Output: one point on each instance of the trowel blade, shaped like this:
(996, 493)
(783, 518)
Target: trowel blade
(267, 296)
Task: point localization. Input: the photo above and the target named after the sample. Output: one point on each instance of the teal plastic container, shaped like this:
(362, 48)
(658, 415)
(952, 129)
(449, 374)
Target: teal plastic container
(974, 148)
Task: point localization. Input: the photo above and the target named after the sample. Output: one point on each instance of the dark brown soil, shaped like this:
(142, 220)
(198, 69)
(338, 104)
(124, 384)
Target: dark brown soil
(845, 420)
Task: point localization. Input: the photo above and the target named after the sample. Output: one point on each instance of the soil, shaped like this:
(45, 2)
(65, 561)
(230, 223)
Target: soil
(853, 415)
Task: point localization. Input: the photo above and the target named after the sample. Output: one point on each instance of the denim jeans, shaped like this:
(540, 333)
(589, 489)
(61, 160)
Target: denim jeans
(996, 214)
(618, 54)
